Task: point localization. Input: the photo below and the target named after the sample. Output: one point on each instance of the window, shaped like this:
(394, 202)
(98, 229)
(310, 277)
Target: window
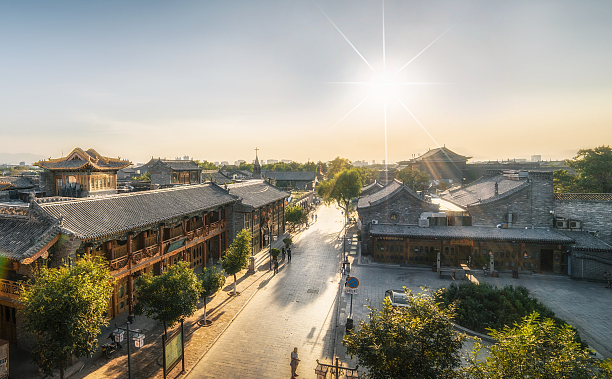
(446, 250)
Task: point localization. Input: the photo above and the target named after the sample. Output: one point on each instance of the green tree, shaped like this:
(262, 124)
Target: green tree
(341, 189)
(66, 307)
(145, 176)
(564, 182)
(170, 297)
(274, 253)
(246, 166)
(295, 216)
(368, 175)
(593, 169)
(337, 166)
(535, 348)
(415, 179)
(237, 256)
(323, 166)
(206, 165)
(288, 242)
(212, 280)
(417, 341)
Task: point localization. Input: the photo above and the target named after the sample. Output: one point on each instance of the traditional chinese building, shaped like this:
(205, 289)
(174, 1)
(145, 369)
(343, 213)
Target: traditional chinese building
(80, 174)
(136, 233)
(370, 188)
(167, 173)
(394, 203)
(303, 180)
(261, 210)
(440, 163)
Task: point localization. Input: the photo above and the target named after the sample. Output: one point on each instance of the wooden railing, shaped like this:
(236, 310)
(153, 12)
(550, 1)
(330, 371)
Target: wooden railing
(9, 289)
(120, 252)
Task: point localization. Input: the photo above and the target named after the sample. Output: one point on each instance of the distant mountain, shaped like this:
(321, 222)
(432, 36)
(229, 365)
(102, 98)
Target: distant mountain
(6, 158)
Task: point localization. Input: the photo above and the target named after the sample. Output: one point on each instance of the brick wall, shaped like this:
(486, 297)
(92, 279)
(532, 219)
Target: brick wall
(161, 175)
(46, 183)
(405, 206)
(530, 206)
(594, 215)
(591, 265)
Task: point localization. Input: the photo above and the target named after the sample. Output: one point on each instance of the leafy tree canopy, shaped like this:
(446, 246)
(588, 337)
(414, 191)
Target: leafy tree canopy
(535, 348)
(170, 297)
(66, 307)
(212, 280)
(417, 341)
(145, 176)
(336, 166)
(237, 256)
(593, 172)
(206, 165)
(415, 179)
(342, 188)
(295, 216)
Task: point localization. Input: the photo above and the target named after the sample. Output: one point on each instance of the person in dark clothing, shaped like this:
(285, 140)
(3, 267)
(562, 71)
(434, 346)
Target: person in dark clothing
(275, 266)
(289, 255)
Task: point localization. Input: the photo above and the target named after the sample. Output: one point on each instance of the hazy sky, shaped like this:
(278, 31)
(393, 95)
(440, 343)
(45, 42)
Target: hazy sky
(215, 79)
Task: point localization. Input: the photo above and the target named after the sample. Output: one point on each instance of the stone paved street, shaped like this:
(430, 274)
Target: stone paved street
(295, 308)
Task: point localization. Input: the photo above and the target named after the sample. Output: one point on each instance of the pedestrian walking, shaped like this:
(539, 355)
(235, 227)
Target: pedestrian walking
(294, 362)
(289, 255)
(275, 266)
(284, 253)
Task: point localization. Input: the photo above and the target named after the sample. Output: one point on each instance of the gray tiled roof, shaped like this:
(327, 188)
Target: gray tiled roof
(256, 193)
(585, 241)
(176, 165)
(385, 193)
(215, 176)
(295, 176)
(441, 154)
(21, 238)
(483, 190)
(103, 216)
(471, 232)
(372, 187)
(16, 182)
(80, 159)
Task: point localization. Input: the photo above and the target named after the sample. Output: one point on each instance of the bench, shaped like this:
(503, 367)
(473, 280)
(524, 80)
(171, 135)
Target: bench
(453, 271)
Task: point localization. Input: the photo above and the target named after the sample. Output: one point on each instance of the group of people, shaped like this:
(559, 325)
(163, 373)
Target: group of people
(284, 253)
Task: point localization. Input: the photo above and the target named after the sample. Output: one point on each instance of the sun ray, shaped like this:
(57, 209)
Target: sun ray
(342, 34)
(384, 45)
(386, 157)
(346, 115)
(427, 47)
(418, 122)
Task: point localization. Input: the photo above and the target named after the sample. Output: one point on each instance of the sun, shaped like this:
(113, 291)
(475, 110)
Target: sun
(383, 84)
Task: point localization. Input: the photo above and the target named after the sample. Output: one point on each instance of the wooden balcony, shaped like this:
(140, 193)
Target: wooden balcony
(9, 289)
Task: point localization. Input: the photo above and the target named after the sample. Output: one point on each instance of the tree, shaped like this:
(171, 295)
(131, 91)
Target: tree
(170, 297)
(368, 175)
(237, 256)
(535, 348)
(341, 189)
(145, 176)
(66, 307)
(417, 341)
(415, 179)
(288, 242)
(212, 280)
(564, 182)
(593, 169)
(206, 165)
(295, 216)
(274, 253)
(337, 166)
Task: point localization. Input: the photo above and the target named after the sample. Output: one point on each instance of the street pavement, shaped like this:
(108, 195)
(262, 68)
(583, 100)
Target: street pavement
(294, 308)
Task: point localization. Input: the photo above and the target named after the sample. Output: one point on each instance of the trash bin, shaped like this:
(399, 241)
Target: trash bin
(515, 274)
(349, 325)
(495, 274)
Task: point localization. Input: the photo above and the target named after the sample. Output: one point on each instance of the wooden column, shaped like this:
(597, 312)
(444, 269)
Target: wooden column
(130, 278)
(160, 239)
(219, 244)
(109, 251)
(87, 250)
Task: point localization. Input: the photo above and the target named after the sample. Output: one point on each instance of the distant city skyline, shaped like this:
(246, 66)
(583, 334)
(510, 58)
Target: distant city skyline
(306, 79)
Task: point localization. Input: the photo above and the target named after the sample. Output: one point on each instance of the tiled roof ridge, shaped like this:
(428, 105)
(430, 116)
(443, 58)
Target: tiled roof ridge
(583, 196)
(501, 196)
(85, 155)
(592, 258)
(402, 187)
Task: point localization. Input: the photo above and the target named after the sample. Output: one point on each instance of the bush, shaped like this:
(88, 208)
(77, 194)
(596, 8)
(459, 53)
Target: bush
(480, 307)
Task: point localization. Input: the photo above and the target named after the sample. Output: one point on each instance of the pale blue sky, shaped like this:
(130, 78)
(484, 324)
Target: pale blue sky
(213, 80)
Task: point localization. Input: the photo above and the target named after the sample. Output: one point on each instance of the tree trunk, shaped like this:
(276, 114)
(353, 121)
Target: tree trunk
(165, 331)
(61, 372)
(234, 284)
(204, 311)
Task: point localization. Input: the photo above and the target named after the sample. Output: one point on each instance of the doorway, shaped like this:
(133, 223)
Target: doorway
(546, 260)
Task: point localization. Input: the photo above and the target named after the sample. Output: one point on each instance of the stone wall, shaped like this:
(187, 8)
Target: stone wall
(161, 176)
(590, 265)
(594, 215)
(530, 206)
(46, 183)
(406, 207)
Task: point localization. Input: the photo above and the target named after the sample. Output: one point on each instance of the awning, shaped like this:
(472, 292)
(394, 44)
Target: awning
(176, 244)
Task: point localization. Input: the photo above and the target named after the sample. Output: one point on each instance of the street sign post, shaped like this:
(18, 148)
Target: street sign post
(352, 284)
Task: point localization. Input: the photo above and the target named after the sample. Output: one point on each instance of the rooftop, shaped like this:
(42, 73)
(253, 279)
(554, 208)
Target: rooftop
(79, 160)
(256, 193)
